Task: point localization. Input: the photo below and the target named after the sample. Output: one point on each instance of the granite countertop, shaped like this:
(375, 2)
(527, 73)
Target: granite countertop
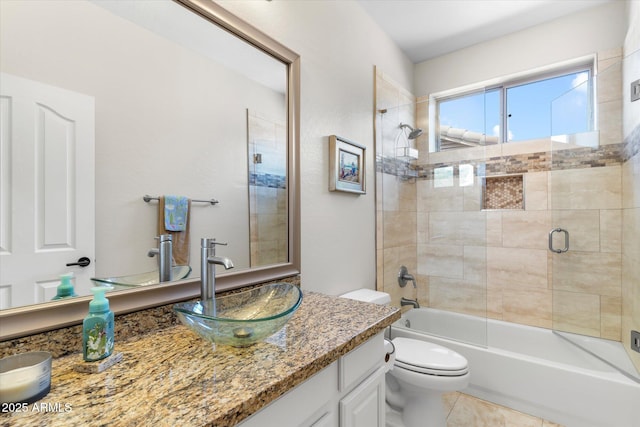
(173, 377)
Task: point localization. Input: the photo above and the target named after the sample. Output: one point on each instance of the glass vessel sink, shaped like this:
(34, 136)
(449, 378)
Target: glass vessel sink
(142, 279)
(242, 318)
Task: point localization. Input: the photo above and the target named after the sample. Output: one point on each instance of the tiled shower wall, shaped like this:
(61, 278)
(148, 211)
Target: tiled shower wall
(267, 190)
(496, 263)
(498, 260)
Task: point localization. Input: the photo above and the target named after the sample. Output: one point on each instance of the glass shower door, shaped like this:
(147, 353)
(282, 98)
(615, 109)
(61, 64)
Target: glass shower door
(585, 237)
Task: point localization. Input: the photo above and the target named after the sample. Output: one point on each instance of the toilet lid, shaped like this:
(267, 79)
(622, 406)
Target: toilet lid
(428, 358)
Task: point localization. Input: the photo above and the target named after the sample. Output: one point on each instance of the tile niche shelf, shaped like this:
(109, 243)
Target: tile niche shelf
(503, 192)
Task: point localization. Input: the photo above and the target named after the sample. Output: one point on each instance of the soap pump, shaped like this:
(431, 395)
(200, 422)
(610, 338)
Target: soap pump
(97, 328)
(65, 288)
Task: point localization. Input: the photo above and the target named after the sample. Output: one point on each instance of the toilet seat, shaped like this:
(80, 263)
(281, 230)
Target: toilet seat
(428, 358)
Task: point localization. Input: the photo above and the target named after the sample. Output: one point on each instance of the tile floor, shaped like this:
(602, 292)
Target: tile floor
(468, 411)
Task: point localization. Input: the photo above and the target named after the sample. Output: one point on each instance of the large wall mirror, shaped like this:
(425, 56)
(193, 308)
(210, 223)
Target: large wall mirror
(105, 102)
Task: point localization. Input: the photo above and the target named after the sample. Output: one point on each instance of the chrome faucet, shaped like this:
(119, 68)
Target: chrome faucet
(407, 301)
(164, 252)
(208, 260)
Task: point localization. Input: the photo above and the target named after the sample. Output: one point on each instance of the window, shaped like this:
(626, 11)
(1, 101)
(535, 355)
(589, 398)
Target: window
(464, 120)
(536, 107)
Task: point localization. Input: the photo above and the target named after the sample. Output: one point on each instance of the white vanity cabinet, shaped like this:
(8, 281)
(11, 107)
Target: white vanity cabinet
(347, 393)
(364, 406)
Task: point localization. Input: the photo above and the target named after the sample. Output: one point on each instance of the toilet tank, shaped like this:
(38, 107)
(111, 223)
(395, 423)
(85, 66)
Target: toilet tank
(369, 295)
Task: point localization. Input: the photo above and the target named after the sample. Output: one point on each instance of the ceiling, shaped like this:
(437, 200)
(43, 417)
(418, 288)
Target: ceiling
(425, 29)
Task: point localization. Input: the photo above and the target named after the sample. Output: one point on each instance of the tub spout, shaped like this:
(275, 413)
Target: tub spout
(411, 302)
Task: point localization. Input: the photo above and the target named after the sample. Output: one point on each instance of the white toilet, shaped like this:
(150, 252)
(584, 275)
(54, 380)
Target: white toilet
(422, 372)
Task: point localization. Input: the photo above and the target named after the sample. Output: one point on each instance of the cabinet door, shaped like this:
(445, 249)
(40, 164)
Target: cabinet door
(364, 406)
(308, 404)
(324, 421)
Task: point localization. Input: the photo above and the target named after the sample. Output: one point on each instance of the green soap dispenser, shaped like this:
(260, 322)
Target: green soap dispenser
(97, 328)
(65, 288)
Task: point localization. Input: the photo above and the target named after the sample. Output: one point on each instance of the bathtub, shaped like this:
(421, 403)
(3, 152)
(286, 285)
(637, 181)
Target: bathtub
(532, 370)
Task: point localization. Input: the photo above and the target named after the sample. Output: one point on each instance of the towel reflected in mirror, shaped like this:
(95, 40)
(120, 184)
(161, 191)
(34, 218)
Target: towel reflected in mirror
(178, 225)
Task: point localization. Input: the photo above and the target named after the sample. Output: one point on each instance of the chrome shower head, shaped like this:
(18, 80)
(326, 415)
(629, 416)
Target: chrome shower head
(413, 133)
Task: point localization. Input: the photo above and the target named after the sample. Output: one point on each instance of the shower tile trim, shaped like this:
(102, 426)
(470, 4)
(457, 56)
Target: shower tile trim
(543, 161)
(267, 180)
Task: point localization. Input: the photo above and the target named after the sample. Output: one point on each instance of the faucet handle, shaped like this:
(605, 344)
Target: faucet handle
(164, 237)
(404, 277)
(210, 243)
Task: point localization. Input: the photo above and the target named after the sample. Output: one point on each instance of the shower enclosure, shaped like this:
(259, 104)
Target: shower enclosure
(541, 232)
(591, 187)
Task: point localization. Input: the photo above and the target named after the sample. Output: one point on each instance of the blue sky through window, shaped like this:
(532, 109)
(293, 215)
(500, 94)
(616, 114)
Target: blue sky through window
(538, 109)
(477, 112)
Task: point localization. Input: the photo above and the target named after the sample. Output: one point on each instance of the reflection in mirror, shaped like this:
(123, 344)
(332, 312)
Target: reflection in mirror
(104, 102)
(267, 190)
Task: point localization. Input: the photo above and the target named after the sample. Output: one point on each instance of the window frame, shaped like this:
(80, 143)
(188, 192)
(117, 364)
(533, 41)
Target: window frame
(505, 83)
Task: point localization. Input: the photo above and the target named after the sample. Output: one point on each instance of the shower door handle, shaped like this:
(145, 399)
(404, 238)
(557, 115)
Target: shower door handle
(566, 240)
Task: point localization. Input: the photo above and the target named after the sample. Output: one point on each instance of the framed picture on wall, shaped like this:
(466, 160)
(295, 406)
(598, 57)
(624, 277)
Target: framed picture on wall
(346, 165)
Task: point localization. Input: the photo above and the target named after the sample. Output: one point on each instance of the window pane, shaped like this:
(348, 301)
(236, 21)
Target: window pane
(466, 175)
(443, 177)
(571, 112)
(469, 120)
(529, 112)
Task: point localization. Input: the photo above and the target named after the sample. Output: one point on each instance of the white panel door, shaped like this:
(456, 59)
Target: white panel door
(47, 218)
(365, 405)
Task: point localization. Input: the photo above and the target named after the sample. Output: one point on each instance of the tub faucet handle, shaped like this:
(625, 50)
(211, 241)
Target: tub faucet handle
(404, 277)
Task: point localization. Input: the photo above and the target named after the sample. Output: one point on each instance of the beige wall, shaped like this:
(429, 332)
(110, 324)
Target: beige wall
(339, 45)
